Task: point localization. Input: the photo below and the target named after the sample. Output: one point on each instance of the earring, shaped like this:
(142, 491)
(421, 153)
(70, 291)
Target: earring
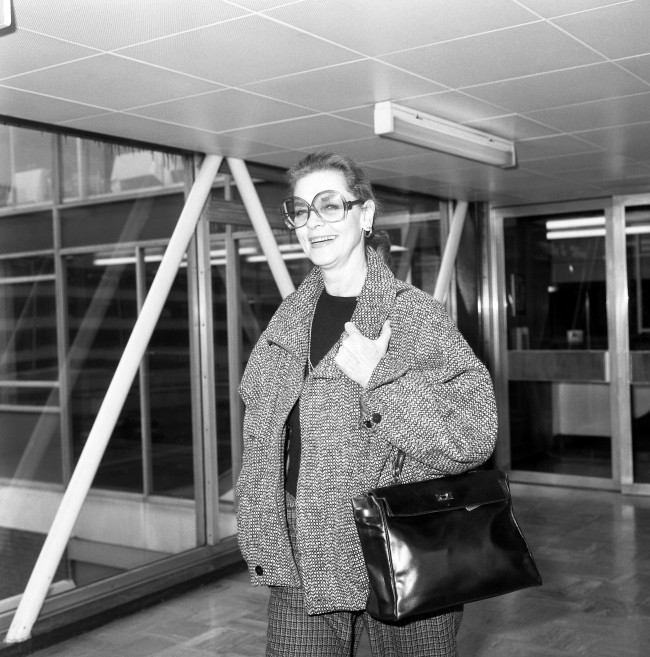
(368, 231)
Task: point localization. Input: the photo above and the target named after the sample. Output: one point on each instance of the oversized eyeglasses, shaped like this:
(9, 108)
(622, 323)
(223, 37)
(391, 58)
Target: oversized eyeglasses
(329, 206)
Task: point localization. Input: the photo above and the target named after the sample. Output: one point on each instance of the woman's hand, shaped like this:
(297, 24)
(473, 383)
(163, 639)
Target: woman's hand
(358, 356)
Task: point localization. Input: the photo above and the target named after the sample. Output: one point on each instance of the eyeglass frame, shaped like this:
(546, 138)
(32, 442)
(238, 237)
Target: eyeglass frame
(347, 206)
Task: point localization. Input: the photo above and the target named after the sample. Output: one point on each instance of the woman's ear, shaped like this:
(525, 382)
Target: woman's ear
(368, 218)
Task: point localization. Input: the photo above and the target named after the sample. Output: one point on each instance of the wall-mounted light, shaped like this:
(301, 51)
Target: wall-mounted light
(407, 125)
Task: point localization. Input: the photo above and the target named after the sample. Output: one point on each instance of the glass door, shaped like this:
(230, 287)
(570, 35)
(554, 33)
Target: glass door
(553, 347)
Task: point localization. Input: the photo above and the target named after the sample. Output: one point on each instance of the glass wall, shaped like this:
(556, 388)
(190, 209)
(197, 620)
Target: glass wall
(80, 243)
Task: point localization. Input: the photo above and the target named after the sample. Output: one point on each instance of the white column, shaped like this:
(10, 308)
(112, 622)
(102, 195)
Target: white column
(82, 478)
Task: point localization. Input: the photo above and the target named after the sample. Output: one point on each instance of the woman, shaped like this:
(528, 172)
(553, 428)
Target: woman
(354, 367)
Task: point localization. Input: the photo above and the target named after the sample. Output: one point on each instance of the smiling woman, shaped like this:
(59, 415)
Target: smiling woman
(353, 368)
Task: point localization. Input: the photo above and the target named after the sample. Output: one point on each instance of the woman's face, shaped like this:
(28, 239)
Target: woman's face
(340, 244)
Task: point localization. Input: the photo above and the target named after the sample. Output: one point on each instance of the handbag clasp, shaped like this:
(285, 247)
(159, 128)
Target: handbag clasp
(444, 497)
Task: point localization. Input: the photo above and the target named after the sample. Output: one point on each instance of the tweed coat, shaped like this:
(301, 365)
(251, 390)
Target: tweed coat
(429, 397)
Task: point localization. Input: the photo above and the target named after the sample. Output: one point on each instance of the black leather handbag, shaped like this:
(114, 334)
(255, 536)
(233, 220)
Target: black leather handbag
(436, 544)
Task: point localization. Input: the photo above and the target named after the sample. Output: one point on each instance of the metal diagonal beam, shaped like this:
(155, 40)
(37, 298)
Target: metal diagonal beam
(82, 478)
(451, 250)
(261, 225)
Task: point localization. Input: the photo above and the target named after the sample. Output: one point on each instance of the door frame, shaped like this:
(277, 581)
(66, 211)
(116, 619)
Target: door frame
(620, 301)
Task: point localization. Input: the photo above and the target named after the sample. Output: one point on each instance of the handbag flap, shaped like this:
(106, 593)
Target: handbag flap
(469, 490)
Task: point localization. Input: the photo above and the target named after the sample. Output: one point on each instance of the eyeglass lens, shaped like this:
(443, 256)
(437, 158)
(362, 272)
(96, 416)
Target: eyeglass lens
(330, 206)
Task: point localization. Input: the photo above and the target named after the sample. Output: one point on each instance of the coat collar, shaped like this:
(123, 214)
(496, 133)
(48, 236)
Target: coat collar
(289, 327)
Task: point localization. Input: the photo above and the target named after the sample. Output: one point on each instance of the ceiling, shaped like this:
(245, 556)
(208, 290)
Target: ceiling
(268, 80)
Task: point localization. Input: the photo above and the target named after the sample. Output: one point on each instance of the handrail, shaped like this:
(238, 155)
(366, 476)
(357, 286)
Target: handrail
(84, 473)
(450, 252)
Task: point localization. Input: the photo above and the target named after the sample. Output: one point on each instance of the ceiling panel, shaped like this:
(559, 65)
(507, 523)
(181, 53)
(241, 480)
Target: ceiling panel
(423, 164)
(337, 87)
(317, 131)
(139, 84)
(551, 8)
(536, 149)
(138, 128)
(222, 110)
(372, 149)
(604, 176)
(639, 65)
(513, 126)
(632, 140)
(496, 56)
(22, 51)
(119, 23)
(596, 114)
(584, 162)
(376, 28)
(578, 85)
(37, 107)
(241, 51)
(613, 30)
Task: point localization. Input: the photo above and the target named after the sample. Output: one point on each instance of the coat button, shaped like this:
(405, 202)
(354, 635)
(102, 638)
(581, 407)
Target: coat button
(376, 418)
(259, 570)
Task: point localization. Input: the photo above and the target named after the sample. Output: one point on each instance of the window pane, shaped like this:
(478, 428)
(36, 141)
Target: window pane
(30, 446)
(102, 309)
(28, 350)
(92, 168)
(125, 221)
(5, 166)
(555, 280)
(33, 159)
(169, 390)
(26, 233)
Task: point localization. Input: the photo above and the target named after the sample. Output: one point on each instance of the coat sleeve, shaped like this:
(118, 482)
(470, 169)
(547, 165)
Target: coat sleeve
(430, 396)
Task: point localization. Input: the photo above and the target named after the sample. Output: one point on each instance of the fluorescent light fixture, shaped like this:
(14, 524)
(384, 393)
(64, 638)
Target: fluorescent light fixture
(407, 125)
(575, 234)
(637, 230)
(560, 229)
(5, 14)
(575, 222)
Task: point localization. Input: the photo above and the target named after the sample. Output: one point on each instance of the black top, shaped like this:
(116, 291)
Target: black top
(328, 323)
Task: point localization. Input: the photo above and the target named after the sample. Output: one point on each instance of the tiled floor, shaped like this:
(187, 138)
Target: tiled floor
(592, 548)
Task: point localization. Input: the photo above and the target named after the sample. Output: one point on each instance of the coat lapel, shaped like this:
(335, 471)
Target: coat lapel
(290, 329)
(375, 303)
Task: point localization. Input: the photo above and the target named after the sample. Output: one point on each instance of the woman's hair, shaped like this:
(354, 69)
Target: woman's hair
(357, 181)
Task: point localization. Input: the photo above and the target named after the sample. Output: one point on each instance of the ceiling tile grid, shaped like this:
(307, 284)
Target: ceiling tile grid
(270, 80)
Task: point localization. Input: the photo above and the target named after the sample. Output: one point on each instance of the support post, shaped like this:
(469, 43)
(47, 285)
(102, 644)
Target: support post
(261, 225)
(451, 249)
(41, 578)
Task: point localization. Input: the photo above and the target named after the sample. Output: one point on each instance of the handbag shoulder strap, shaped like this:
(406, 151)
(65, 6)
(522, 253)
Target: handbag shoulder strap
(398, 463)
